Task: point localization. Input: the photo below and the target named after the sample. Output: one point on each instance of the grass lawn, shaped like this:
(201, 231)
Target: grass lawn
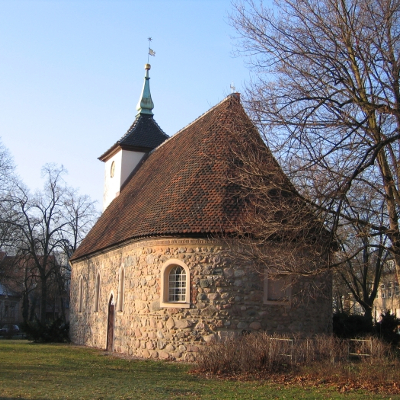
(38, 371)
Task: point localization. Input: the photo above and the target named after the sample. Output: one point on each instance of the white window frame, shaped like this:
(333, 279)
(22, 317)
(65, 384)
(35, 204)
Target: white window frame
(166, 269)
(288, 290)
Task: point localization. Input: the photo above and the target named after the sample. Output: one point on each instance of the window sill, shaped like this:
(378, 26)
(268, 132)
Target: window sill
(174, 305)
(277, 303)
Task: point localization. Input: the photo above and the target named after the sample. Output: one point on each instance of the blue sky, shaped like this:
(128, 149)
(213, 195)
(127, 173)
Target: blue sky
(71, 73)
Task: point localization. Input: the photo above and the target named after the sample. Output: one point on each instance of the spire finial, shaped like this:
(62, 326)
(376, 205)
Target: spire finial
(146, 104)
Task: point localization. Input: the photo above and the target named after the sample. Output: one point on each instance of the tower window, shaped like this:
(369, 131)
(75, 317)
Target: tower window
(112, 169)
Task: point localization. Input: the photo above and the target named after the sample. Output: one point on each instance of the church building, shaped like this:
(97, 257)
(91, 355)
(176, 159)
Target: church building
(156, 277)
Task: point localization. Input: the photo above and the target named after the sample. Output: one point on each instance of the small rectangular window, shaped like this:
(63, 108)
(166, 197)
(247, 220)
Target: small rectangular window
(277, 288)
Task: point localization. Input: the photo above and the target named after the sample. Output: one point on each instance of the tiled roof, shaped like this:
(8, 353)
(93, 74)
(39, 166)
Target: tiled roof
(144, 134)
(183, 187)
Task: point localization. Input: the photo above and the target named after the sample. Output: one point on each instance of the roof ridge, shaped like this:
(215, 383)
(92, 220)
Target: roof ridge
(229, 97)
(162, 130)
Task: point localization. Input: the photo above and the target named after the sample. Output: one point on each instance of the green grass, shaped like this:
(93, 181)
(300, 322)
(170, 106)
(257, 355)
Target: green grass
(38, 371)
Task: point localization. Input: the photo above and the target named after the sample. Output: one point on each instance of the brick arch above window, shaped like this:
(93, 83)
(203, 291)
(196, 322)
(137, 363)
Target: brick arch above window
(175, 284)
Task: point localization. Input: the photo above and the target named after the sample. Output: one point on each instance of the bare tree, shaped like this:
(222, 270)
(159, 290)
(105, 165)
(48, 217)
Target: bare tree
(362, 258)
(326, 97)
(7, 168)
(278, 229)
(8, 181)
(50, 223)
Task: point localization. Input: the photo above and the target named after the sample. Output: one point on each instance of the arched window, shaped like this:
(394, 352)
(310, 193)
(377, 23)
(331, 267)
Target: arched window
(97, 294)
(120, 305)
(80, 295)
(175, 284)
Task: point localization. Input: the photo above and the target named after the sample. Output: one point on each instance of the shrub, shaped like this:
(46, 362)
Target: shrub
(387, 328)
(56, 331)
(260, 353)
(349, 326)
(250, 352)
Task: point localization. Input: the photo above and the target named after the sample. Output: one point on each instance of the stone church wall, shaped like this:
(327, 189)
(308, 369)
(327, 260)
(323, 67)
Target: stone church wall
(226, 299)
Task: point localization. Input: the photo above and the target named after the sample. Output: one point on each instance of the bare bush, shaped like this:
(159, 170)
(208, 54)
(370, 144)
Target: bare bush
(260, 353)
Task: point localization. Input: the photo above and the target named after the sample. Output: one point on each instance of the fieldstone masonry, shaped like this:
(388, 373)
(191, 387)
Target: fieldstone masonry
(226, 299)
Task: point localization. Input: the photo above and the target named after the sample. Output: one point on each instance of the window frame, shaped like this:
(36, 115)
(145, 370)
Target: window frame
(166, 269)
(121, 290)
(288, 289)
(80, 295)
(97, 293)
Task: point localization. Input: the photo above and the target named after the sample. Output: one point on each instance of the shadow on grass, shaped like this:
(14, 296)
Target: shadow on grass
(16, 398)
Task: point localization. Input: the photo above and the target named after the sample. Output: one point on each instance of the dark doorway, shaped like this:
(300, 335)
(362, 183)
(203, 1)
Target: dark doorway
(110, 324)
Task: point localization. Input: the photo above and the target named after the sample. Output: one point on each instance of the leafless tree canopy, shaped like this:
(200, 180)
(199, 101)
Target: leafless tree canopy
(325, 95)
(49, 225)
(278, 230)
(8, 181)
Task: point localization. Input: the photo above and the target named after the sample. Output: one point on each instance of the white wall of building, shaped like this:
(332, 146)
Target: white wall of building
(124, 163)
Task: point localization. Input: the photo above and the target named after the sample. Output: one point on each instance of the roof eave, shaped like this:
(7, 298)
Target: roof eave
(110, 152)
(182, 233)
(117, 147)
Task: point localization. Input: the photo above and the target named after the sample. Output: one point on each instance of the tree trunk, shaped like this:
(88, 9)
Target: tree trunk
(368, 316)
(25, 307)
(62, 309)
(43, 301)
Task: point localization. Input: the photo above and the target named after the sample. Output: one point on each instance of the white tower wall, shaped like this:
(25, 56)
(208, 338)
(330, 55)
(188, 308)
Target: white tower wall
(125, 162)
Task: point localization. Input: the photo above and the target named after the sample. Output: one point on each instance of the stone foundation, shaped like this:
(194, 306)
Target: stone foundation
(226, 299)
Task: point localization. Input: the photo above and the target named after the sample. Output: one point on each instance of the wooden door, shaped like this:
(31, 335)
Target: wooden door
(110, 324)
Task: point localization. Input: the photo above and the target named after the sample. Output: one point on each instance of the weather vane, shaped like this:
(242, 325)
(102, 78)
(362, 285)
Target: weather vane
(151, 52)
(232, 86)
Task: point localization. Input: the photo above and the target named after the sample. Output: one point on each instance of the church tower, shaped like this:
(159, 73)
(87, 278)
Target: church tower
(124, 157)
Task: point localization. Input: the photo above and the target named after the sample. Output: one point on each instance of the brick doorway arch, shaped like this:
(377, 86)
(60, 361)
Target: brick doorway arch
(110, 324)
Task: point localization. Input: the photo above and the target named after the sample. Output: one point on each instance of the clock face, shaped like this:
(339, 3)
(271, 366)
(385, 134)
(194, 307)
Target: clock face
(112, 169)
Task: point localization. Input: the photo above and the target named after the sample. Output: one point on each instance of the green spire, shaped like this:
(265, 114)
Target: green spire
(145, 104)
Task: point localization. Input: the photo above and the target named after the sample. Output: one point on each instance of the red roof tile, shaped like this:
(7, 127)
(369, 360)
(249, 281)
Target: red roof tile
(183, 187)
